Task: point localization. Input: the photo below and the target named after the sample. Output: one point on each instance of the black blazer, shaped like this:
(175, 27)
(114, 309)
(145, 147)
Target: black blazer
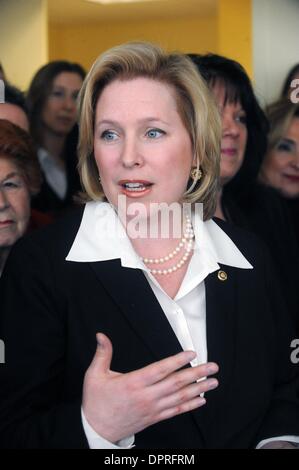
(52, 309)
(265, 213)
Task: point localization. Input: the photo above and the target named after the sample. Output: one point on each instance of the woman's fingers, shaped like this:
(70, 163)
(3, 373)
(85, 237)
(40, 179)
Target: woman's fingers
(180, 409)
(180, 379)
(157, 371)
(187, 393)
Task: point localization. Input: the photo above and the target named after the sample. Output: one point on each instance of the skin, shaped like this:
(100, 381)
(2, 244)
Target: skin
(14, 114)
(140, 135)
(149, 395)
(14, 206)
(59, 111)
(234, 135)
(281, 166)
(129, 144)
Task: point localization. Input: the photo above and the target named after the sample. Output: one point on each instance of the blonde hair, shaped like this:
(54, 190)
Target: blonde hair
(280, 115)
(195, 106)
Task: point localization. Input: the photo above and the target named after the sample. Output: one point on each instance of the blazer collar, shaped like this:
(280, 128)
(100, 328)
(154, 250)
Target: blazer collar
(101, 237)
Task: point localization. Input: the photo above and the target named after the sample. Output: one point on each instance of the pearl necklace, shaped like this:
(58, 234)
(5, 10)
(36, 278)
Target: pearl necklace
(186, 241)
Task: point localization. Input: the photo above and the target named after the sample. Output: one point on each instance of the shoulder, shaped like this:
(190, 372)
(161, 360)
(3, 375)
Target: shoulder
(250, 245)
(55, 239)
(237, 234)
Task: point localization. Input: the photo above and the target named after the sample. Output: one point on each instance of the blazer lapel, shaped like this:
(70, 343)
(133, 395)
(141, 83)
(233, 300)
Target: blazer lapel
(221, 324)
(135, 298)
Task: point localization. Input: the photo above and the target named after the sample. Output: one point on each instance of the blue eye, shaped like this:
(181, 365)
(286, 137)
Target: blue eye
(109, 136)
(154, 133)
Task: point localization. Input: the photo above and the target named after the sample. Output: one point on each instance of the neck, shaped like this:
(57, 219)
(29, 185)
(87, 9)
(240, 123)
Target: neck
(4, 252)
(157, 234)
(167, 254)
(219, 211)
(53, 143)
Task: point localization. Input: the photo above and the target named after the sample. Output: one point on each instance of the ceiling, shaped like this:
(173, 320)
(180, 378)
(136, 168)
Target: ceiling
(75, 11)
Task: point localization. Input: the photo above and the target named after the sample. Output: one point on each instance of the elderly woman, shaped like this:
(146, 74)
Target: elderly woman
(20, 179)
(177, 296)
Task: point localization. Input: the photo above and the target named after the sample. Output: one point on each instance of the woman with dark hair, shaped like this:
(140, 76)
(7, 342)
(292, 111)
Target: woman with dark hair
(52, 109)
(241, 199)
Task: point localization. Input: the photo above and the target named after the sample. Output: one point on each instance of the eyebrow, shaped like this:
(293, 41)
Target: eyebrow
(144, 120)
(11, 175)
(286, 140)
(64, 88)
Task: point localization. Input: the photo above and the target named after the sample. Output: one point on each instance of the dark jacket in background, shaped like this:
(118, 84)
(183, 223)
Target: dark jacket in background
(47, 200)
(262, 211)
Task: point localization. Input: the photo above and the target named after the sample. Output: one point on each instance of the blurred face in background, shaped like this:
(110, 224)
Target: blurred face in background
(234, 134)
(14, 203)
(281, 166)
(59, 113)
(14, 114)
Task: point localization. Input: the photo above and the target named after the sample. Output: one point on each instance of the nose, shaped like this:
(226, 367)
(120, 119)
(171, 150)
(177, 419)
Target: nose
(229, 126)
(295, 163)
(4, 204)
(131, 154)
(69, 103)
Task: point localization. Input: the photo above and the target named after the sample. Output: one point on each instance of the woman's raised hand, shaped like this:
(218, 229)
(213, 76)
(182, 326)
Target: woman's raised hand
(119, 405)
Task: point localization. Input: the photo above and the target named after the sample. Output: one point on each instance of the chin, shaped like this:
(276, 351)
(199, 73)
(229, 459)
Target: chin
(290, 194)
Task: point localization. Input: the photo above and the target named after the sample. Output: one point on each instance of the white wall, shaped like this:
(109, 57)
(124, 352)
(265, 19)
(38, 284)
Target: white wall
(275, 44)
(23, 39)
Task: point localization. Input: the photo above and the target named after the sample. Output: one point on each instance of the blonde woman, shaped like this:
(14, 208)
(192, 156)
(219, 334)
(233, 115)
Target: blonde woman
(280, 168)
(178, 303)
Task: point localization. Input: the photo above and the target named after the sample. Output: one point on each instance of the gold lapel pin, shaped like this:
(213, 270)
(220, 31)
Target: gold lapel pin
(222, 276)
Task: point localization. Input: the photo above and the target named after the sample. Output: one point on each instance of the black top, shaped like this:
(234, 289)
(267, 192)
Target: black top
(47, 200)
(52, 310)
(265, 213)
(293, 207)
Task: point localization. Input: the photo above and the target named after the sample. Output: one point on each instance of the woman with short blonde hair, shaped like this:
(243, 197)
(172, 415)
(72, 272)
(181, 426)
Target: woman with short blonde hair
(195, 106)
